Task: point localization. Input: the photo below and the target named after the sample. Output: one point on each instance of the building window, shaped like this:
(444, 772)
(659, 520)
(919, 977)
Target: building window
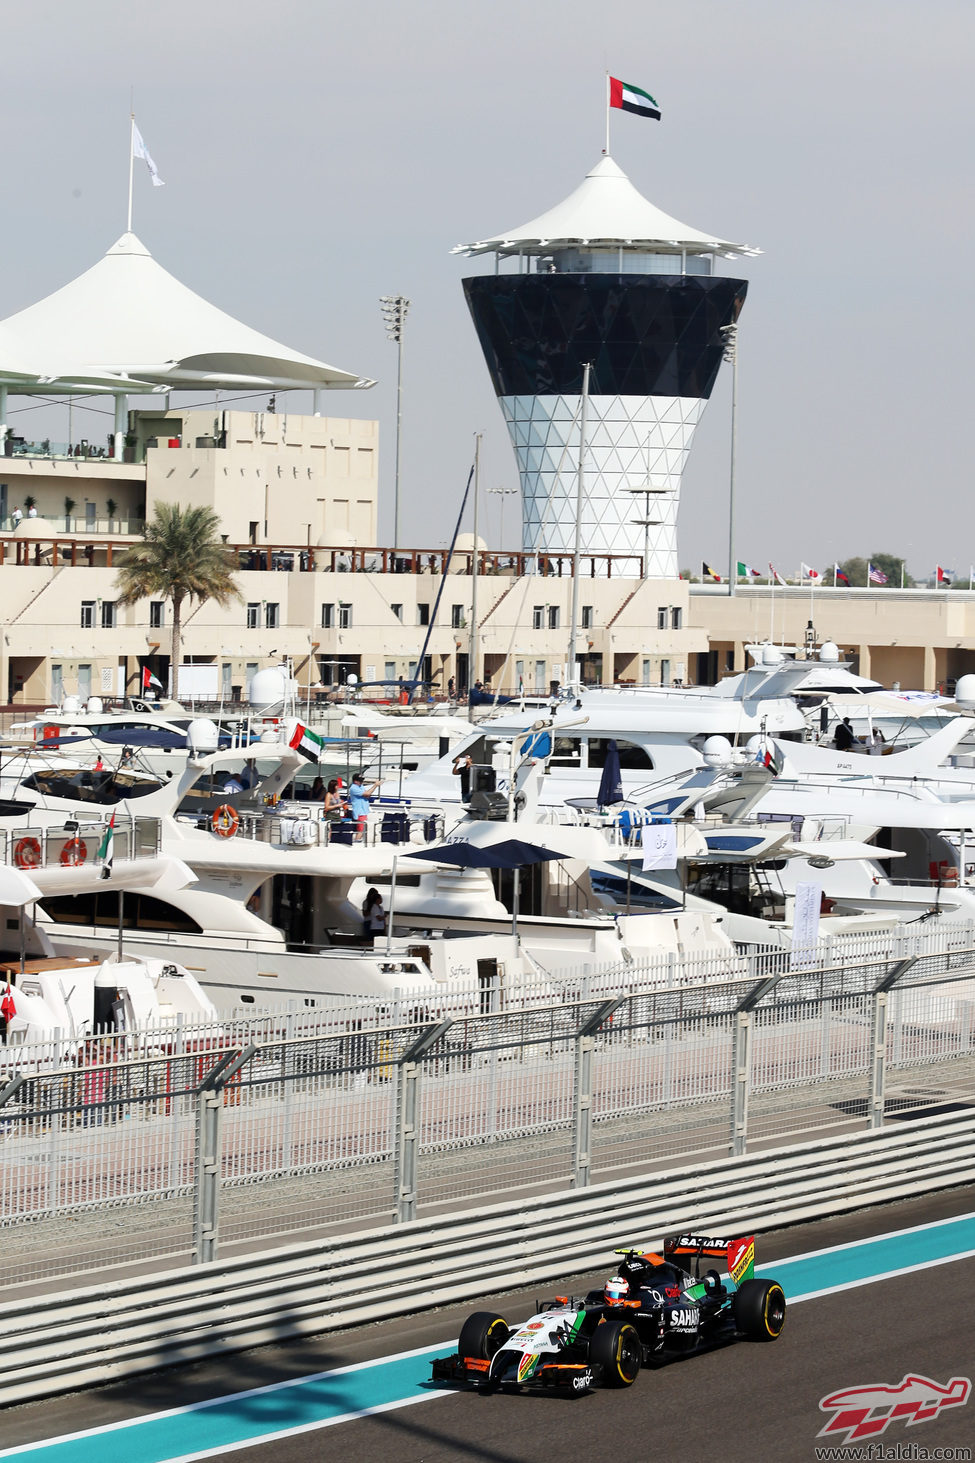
(553, 617)
(457, 617)
(87, 614)
(57, 684)
(646, 673)
(157, 614)
(345, 617)
(676, 617)
(587, 617)
(328, 616)
(389, 670)
(538, 617)
(397, 611)
(271, 609)
(253, 617)
(665, 672)
(250, 672)
(661, 617)
(108, 614)
(423, 614)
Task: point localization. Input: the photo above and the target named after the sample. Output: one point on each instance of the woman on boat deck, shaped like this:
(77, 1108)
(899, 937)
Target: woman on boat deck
(373, 914)
(333, 806)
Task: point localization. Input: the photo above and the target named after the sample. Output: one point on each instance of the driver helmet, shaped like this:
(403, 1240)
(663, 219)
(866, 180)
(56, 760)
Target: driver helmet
(615, 1290)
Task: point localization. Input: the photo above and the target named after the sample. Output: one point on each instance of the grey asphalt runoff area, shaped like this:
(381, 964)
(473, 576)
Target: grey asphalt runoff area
(738, 1404)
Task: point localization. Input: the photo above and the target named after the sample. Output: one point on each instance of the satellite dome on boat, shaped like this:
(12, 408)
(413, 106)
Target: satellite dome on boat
(273, 686)
(965, 691)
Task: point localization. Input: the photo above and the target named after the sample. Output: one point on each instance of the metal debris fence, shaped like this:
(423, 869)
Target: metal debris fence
(345, 1116)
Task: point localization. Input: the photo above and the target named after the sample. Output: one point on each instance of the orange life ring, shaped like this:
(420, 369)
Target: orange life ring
(27, 853)
(74, 852)
(225, 821)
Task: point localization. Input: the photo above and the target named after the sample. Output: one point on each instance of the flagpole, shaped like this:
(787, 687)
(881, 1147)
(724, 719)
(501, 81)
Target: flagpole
(128, 226)
(606, 148)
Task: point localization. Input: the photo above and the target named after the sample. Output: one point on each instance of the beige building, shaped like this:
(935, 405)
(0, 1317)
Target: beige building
(297, 498)
(921, 639)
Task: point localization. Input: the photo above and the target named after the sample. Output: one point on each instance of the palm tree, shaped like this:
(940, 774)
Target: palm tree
(181, 557)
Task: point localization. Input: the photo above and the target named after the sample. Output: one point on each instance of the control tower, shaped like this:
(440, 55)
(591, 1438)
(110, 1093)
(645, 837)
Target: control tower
(605, 278)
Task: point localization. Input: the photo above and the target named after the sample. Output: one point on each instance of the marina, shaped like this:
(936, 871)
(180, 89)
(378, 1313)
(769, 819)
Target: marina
(408, 865)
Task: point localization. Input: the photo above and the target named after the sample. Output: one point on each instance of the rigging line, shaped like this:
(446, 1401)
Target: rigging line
(443, 577)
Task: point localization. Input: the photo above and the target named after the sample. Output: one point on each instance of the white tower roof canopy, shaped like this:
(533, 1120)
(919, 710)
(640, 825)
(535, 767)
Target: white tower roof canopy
(127, 316)
(605, 211)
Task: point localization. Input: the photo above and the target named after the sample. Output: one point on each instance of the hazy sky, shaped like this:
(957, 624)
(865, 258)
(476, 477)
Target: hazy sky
(318, 155)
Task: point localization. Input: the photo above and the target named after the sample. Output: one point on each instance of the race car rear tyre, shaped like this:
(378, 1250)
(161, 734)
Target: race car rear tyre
(616, 1348)
(482, 1334)
(760, 1309)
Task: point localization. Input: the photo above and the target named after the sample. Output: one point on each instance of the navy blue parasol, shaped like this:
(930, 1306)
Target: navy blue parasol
(507, 853)
(611, 782)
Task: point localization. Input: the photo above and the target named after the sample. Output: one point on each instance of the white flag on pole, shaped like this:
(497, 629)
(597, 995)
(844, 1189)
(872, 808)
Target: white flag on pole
(139, 149)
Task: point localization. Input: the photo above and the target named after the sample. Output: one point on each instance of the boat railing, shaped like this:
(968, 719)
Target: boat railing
(302, 825)
(79, 841)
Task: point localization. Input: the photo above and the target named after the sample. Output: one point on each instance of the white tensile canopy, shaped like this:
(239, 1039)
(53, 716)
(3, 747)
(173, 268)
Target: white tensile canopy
(604, 211)
(128, 318)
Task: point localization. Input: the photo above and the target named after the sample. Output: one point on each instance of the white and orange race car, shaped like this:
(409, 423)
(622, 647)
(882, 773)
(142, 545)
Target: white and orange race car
(654, 1307)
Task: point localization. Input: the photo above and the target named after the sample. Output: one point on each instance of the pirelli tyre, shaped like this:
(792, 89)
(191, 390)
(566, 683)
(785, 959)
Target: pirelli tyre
(760, 1309)
(482, 1334)
(616, 1349)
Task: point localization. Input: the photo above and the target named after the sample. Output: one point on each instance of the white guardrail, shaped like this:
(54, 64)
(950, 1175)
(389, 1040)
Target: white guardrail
(59, 1343)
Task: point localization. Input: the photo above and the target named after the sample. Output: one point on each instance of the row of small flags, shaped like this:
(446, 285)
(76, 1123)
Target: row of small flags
(943, 577)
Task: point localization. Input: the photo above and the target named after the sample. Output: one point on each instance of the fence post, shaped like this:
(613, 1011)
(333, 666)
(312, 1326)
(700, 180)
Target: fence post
(585, 1040)
(407, 1118)
(206, 1185)
(878, 1040)
(741, 1060)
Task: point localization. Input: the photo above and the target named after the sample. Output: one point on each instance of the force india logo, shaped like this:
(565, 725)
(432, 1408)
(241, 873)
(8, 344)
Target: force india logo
(866, 1412)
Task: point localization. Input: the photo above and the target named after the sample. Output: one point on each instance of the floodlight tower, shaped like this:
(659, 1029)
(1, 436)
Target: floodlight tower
(606, 278)
(394, 309)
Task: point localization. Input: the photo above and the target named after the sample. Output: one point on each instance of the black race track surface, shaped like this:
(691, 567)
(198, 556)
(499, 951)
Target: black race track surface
(741, 1403)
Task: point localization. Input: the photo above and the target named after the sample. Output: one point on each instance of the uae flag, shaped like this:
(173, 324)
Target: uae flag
(632, 99)
(307, 743)
(8, 1007)
(771, 758)
(745, 571)
(708, 573)
(942, 576)
(106, 849)
(148, 679)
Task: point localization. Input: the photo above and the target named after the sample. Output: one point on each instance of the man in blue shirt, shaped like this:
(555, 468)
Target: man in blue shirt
(358, 800)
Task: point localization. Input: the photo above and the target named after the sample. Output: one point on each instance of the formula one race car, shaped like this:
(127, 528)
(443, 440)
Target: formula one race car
(651, 1310)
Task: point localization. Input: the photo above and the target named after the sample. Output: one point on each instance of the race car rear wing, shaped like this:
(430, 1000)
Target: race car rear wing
(738, 1253)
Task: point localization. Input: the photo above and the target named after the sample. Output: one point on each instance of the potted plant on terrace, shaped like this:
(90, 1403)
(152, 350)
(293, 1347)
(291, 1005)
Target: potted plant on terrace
(68, 507)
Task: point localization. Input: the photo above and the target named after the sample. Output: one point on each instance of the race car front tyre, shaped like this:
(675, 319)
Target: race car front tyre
(760, 1309)
(482, 1334)
(615, 1348)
